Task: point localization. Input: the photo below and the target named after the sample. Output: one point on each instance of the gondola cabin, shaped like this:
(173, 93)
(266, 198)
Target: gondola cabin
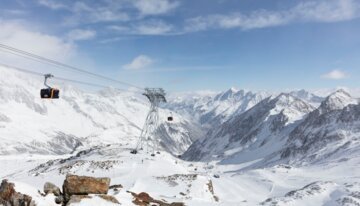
(170, 119)
(49, 93)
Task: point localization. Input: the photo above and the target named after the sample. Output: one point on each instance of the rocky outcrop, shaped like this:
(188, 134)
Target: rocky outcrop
(82, 185)
(50, 188)
(76, 188)
(9, 197)
(144, 199)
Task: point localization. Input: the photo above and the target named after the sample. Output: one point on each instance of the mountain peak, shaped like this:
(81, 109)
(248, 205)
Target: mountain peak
(233, 89)
(227, 94)
(284, 98)
(337, 100)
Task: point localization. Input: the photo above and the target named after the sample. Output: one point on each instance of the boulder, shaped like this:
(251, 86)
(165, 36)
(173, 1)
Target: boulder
(59, 199)
(144, 199)
(7, 190)
(82, 185)
(9, 197)
(50, 188)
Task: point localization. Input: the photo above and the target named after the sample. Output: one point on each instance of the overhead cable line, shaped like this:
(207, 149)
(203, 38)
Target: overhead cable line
(58, 78)
(33, 56)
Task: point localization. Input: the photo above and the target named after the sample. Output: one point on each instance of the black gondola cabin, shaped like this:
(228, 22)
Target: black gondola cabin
(49, 93)
(170, 119)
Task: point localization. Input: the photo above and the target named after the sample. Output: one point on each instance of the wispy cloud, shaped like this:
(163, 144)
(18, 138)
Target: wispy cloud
(140, 62)
(23, 36)
(186, 69)
(52, 4)
(81, 34)
(137, 17)
(335, 75)
(105, 12)
(150, 27)
(309, 11)
(155, 7)
(109, 10)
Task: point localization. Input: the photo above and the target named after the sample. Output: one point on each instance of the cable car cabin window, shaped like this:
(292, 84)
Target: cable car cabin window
(49, 93)
(170, 119)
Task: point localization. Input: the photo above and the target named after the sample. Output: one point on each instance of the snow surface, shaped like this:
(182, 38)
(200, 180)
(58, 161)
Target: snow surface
(92, 134)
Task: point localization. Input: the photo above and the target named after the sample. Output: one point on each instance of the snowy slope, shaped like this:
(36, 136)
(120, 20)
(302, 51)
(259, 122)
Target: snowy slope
(253, 134)
(330, 132)
(214, 109)
(32, 125)
(259, 149)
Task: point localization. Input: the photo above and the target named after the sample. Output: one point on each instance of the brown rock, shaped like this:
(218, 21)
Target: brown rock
(144, 197)
(82, 185)
(9, 197)
(6, 190)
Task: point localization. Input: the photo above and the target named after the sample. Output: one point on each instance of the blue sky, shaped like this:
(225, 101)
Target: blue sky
(185, 45)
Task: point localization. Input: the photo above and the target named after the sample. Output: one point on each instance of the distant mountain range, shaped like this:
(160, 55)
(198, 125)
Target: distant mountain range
(233, 127)
(296, 127)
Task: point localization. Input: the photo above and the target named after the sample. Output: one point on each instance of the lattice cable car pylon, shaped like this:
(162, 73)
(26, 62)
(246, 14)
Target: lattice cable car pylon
(156, 96)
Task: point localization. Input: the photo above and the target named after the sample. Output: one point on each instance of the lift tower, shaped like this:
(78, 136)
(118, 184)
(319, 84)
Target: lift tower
(148, 132)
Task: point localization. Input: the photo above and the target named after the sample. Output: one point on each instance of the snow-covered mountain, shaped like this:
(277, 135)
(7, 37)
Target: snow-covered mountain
(307, 96)
(332, 131)
(254, 133)
(285, 129)
(259, 148)
(33, 125)
(214, 109)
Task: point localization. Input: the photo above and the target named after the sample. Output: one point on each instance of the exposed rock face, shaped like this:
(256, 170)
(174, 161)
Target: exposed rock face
(9, 197)
(262, 126)
(144, 199)
(50, 188)
(78, 185)
(328, 132)
(82, 185)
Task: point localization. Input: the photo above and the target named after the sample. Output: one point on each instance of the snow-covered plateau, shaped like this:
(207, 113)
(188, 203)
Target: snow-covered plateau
(228, 148)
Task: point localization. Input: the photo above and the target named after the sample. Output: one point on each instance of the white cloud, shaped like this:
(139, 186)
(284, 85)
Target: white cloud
(309, 11)
(52, 4)
(151, 27)
(81, 12)
(140, 62)
(154, 27)
(155, 7)
(81, 34)
(335, 74)
(18, 35)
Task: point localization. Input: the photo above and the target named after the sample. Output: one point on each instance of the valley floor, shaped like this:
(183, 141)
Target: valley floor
(174, 180)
